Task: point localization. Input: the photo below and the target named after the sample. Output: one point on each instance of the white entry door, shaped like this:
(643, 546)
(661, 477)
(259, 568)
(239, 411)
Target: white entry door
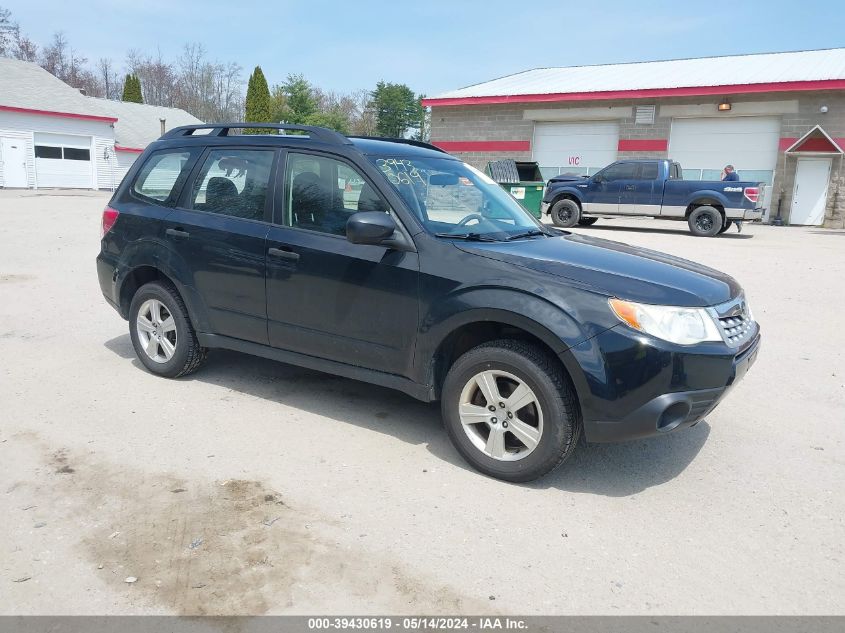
(812, 176)
(13, 154)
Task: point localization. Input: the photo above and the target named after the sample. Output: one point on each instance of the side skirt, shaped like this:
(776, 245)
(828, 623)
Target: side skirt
(391, 381)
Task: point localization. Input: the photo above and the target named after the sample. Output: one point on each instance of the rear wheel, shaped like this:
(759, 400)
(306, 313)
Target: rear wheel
(705, 221)
(728, 224)
(510, 411)
(565, 213)
(161, 332)
(587, 221)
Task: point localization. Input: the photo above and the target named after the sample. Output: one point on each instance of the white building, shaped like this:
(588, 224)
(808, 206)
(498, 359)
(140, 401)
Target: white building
(51, 135)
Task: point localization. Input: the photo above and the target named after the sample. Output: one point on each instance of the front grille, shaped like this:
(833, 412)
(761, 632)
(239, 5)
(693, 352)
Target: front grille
(735, 321)
(736, 329)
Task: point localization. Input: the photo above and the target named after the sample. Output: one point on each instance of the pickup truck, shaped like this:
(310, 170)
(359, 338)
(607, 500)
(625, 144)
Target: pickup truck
(652, 188)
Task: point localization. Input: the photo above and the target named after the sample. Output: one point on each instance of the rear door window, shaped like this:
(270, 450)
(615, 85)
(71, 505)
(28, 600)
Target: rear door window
(162, 176)
(648, 171)
(234, 182)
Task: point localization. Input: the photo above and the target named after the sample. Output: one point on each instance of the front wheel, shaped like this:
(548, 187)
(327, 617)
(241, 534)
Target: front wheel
(705, 221)
(509, 410)
(565, 213)
(161, 331)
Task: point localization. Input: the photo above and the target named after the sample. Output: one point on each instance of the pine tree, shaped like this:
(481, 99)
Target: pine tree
(132, 89)
(257, 102)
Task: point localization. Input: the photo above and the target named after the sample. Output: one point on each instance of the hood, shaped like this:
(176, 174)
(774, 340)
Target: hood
(615, 269)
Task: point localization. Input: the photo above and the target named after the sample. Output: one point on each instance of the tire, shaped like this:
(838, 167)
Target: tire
(565, 213)
(549, 408)
(158, 321)
(705, 221)
(728, 224)
(587, 221)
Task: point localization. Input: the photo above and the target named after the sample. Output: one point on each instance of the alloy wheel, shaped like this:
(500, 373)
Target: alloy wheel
(156, 329)
(704, 222)
(501, 415)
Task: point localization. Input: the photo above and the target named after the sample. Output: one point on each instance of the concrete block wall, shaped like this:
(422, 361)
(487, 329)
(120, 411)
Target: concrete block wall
(795, 126)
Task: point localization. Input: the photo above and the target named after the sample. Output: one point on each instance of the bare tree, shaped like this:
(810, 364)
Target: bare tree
(25, 49)
(365, 120)
(109, 79)
(211, 91)
(12, 42)
(158, 77)
(9, 32)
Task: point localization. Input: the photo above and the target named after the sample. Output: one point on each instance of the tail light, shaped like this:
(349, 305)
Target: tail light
(752, 193)
(109, 218)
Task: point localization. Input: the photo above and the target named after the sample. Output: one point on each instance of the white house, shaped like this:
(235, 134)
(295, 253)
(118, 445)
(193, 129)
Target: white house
(51, 135)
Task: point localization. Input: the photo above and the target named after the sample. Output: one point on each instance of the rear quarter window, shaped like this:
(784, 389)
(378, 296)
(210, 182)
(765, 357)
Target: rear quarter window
(162, 175)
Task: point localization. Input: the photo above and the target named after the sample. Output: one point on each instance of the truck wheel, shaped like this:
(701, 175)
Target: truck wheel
(565, 213)
(510, 411)
(705, 221)
(728, 224)
(161, 331)
(587, 221)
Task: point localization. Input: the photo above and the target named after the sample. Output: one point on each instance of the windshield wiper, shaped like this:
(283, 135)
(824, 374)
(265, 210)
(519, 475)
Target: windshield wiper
(530, 233)
(469, 237)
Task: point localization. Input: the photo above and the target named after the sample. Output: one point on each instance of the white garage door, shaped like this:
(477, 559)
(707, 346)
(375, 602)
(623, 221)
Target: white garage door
(575, 148)
(705, 146)
(63, 160)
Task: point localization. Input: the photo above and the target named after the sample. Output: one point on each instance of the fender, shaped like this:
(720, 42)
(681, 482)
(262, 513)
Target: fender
(554, 194)
(704, 195)
(160, 254)
(493, 304)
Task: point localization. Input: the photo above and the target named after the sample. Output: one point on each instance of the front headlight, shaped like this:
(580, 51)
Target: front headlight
(684, 326)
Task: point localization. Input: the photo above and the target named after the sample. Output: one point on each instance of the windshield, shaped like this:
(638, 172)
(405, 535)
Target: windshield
(453, 198)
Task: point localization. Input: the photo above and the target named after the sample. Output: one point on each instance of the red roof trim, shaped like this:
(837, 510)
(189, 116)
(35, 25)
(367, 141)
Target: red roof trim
(483, 146)
(120, 148)
(785, 143)
(649, 93)
(66, 115)
(643, 145)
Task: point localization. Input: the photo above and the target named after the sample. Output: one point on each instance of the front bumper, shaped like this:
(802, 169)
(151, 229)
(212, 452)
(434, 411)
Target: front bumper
(640, 387)
(544, 208)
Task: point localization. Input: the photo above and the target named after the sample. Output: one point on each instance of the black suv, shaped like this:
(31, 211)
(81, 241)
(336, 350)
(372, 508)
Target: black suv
(392, 262)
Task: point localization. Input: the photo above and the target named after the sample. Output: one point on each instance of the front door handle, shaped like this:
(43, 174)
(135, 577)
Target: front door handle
(179, 233)
(630, 187)
(282, 254)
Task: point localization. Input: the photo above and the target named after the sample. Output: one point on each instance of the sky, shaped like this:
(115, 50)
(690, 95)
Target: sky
(430, 45)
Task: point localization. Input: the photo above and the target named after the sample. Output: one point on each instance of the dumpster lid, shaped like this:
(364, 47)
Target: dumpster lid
(503, 170)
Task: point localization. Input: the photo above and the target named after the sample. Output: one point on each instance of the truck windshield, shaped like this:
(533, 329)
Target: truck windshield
(453, 198)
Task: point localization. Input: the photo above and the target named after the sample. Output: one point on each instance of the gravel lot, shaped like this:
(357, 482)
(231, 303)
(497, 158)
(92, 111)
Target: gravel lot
(256, 487)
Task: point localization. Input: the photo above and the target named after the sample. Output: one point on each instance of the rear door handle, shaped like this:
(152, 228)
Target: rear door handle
(283, 254)
(177, 233)
(630, 187)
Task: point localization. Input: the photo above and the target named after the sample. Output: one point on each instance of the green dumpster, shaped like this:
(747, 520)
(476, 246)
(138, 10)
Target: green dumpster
(522, 180)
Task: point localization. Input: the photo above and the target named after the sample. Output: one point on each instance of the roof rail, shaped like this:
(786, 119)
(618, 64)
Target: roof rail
(222, 129)
(406, 141)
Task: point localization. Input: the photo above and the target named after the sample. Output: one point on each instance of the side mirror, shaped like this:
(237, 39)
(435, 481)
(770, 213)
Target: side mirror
(598, 178)
(369, 227)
